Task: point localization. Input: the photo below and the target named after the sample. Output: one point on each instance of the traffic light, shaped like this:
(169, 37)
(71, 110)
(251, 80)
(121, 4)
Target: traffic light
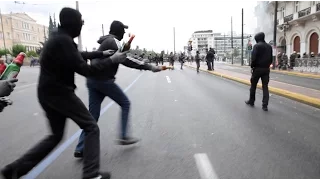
(189, 48)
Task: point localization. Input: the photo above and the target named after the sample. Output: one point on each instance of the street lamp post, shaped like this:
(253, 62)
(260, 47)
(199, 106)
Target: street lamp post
(275, 34)
(79, 37)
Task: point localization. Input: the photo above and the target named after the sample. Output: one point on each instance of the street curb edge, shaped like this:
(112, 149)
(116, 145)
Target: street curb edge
(313, 76)
(288, 94)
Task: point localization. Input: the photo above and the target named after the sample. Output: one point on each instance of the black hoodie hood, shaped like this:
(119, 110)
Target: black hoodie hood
(71, 21)
(102, 38)
(259, 37)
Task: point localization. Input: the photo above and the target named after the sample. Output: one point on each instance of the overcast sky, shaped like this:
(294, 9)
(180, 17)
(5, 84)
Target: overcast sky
(152, 21)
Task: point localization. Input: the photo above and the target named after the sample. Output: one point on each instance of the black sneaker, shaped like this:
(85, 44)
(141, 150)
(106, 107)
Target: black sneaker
(103, 175)
(249, 103)
(265, 108)
(9, 172)
(78, 154)
(127, 141)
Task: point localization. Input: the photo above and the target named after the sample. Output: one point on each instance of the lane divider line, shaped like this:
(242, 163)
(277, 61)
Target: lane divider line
(168, 79)
(204, 166)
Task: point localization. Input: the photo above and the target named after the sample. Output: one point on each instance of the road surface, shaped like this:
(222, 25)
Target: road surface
(311, 83)
(192, 126)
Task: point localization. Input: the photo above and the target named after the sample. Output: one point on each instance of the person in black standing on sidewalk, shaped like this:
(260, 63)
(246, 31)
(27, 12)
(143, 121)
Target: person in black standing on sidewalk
(261, 61)
(60, 59)
(198, 59)
(181, 60)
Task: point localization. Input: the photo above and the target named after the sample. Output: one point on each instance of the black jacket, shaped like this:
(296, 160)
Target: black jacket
(262, 53)
(60, 59)
(109, 42)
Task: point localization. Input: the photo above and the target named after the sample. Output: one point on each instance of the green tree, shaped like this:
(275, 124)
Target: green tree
(4, 52)
(32, 53)
(54, 21)
(16, 49)
(51, 25)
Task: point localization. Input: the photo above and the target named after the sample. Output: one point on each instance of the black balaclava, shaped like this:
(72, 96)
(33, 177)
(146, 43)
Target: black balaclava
(71, 21)
(117, 29)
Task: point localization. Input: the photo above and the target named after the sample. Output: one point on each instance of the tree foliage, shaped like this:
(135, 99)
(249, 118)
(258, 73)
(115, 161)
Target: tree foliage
(16, 49)
(4, 52)
(32, 53)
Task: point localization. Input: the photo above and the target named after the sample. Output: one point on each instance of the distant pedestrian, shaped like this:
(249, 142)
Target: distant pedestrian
(261, 61)
(181, 60)
(198, 59)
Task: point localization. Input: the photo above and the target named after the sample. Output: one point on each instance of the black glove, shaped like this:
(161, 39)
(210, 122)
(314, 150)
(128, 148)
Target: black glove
(4, 102)
(7, 86)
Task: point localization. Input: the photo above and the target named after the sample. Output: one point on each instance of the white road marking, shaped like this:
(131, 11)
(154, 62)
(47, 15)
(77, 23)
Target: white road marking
(168, 79)
(27, 85)
(204, 166)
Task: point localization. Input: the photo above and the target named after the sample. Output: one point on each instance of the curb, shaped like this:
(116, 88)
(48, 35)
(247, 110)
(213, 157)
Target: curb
(288, 94)
(299, 74)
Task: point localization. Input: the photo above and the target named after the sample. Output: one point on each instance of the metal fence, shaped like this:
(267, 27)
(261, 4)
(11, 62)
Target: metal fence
(307, 65)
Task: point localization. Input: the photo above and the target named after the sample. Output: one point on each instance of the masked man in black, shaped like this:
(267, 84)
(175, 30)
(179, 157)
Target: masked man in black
(103, 85)
(60, 60)
(261, 61)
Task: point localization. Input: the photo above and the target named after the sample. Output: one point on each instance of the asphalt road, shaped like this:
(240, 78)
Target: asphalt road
(182, 117)
(311, 83)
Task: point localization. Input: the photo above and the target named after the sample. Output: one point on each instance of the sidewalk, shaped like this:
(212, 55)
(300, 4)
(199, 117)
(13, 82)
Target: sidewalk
(287, 72)
(298, 93)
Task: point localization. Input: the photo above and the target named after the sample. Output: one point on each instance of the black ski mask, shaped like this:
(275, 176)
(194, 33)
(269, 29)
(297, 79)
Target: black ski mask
(117, 28)
(71, 21)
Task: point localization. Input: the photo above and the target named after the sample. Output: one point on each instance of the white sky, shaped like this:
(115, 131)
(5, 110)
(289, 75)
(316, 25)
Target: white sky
(152, 21)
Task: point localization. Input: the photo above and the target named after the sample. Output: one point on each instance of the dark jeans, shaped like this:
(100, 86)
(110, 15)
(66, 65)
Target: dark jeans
(198, 65)
(181, 65)
(98, 90)
(258, 73)
(212, 64)
(58, 108)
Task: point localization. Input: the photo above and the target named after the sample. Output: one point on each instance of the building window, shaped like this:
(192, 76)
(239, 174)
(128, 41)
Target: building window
(9, 35)
(296, 4)
(1, 35)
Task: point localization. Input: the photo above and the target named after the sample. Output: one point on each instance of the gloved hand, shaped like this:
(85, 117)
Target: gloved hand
(7, 86)
(156, 68)
(252, 70)
(4, 102)
(119, 57)
(108, 52)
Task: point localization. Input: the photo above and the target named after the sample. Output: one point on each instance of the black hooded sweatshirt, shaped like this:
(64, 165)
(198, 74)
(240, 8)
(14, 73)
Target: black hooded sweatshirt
(262, 53)
(110, 42)
(60, 58)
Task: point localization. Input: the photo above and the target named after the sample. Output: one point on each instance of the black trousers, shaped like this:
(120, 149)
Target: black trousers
(198, 65)
(58, 108)
(264, 74)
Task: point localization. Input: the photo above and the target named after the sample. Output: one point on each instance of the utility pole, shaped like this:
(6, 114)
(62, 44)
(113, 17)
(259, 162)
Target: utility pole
(102, 30)
(3, 36)
(242, 40)
(275, 34)
(174, 40)
(44, 32)
(231, 42)
(79, 38)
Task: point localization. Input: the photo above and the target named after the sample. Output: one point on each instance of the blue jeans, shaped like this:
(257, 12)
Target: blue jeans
(98, 90)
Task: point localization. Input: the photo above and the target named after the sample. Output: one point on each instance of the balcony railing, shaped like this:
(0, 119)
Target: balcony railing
(318, 7)
(288, 18)
(304, 12)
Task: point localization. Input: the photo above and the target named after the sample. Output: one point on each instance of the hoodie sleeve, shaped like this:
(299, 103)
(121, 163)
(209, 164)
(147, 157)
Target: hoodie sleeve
(254, 56)
(91, 55)
(76, 62)
(130, 62)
